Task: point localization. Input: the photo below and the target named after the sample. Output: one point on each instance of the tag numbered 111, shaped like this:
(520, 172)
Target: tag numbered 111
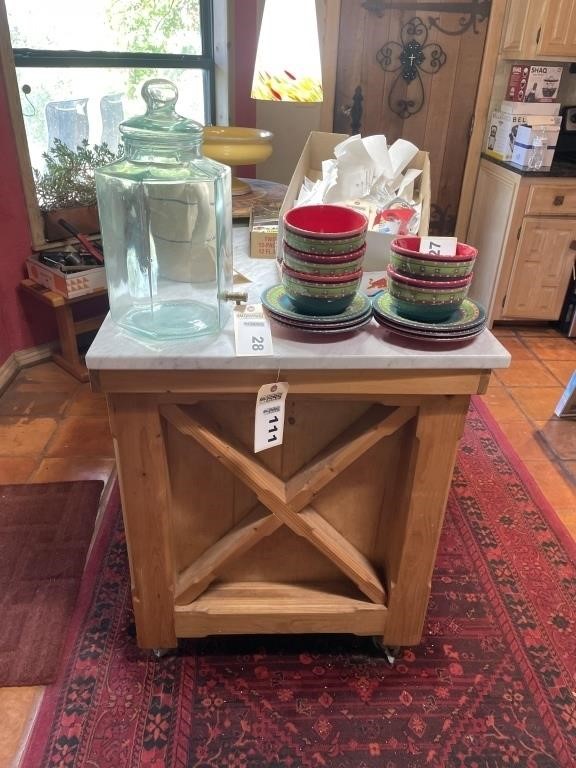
(269, 419)
(252, 331)
(438, 246)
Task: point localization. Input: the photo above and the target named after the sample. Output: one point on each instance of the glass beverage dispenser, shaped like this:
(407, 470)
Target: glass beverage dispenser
(166, 222)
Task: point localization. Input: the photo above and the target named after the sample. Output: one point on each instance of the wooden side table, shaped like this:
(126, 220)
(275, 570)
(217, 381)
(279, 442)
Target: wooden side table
(68, 328)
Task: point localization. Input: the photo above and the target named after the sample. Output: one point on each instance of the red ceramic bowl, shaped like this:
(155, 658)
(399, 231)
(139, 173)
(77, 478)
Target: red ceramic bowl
(325, 221)
(410, 246)
(459, 282)
(306, 277)
(324, 258)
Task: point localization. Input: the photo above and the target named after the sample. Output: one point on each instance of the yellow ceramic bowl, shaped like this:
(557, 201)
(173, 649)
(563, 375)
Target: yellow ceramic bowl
(237, 146)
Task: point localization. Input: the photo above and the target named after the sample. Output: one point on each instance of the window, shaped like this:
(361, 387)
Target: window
(79, 66)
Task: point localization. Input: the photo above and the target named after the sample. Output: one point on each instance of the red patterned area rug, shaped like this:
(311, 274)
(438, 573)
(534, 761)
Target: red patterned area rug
(492, 684)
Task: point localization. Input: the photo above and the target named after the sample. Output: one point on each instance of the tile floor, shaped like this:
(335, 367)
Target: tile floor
(54, 428)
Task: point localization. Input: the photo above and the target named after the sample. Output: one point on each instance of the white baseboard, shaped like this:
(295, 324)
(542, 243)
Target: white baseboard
(22, 359)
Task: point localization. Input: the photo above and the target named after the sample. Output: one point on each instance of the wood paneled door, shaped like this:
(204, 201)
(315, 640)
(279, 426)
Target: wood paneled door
(410, 69)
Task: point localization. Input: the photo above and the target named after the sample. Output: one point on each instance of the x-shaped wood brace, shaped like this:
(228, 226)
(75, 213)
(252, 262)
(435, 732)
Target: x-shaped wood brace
(285, 503)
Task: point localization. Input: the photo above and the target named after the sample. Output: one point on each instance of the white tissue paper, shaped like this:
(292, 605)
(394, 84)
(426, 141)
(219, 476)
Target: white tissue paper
(367, 175)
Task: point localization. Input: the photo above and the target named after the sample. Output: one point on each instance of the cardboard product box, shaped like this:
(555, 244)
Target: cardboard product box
(530, 107)
(68, 284)
(320, 146)
(263, 229)
(503, 128)
(523, 150)
(533, 83)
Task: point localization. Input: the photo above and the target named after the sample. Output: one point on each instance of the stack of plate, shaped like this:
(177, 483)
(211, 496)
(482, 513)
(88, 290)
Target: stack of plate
(466, 322)
(283, 310)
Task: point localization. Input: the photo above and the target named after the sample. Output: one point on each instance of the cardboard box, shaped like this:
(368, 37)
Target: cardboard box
(71, 284)
(534, 83)
(503, 128)
(524, 143)
(320, 146)
(263, 229)
(530, 108)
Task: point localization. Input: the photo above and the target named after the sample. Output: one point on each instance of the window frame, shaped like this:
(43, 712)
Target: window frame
(25, 57)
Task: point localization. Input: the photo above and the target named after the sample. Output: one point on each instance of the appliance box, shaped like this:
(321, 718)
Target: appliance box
(503, 127)
(533, 83)
(320, 146)
(530, 108)
(71, 284)
(524, 145)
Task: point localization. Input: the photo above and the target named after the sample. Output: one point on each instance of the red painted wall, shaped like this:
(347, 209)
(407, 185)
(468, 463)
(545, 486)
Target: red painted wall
(24, 322)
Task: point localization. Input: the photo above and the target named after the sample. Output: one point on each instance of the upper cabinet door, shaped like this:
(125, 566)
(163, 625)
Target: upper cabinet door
(520, 30)
(558, 32)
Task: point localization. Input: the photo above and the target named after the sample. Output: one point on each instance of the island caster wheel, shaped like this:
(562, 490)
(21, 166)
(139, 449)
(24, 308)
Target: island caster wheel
(390, 652)
(159, 653)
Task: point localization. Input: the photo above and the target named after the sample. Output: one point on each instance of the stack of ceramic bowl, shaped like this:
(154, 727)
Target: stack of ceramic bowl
(428, 292)
(323, 252)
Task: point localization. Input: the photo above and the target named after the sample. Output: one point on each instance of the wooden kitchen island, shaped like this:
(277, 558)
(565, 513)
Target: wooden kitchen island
(334, 531)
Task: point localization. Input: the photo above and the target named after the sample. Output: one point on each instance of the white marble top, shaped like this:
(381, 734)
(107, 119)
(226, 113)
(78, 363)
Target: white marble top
(372, 347)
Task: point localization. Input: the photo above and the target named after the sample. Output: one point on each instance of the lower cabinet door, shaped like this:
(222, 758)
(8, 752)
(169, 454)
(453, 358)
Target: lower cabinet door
(542, 267)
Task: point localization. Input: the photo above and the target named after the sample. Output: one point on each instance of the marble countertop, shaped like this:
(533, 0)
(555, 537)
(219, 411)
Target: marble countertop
(371, 348)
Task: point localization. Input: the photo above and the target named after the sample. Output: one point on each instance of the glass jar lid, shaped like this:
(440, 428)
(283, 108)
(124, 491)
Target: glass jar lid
(161, 123)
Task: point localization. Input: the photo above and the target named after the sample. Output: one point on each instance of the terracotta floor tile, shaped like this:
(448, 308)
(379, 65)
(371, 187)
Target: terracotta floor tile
(46, 375)
(517, 349)
(33, 403)
(82, 437)
(560, 436)
(87, 403)
(16, 469)
(557, 489)
(554, 349)
(531, 373)
(538, 330)
(562, 369)
(24, 437)
(522, 437)
(537, 402)
(500, 331)
(73, 468)
(570, 470)
(501, 405)
(16, 708)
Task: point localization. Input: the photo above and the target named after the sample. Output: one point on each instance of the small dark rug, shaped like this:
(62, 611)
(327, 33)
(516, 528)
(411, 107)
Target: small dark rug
(45, 533)
(492, 684)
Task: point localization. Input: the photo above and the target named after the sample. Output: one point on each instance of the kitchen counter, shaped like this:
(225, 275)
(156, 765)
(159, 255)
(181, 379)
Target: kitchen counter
(335, 530)
(556, 170)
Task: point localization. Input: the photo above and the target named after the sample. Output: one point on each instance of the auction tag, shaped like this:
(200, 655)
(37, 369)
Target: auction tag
(438, 246)
(269, 421)
(252, 331)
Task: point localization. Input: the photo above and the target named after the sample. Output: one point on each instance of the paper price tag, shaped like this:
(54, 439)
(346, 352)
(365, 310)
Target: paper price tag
(438, 246)
(252, 331)
(269, 421)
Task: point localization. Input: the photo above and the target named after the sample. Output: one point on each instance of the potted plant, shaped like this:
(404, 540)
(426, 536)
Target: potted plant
(66, 188)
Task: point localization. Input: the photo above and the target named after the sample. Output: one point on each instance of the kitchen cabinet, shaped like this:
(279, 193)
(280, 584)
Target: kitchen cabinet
(537, 29)
(525, 229)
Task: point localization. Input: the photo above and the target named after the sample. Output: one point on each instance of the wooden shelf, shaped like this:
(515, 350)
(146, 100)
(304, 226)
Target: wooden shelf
(264, 607)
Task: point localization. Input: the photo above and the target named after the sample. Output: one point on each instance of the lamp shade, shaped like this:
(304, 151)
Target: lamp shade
(288, 58)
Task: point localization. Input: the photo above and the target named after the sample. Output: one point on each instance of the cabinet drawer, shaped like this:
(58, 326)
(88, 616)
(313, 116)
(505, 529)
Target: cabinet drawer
(552, 199)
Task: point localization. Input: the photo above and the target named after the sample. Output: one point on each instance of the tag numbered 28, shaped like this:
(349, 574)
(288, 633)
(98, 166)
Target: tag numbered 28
(252, 331)
(269, 419)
